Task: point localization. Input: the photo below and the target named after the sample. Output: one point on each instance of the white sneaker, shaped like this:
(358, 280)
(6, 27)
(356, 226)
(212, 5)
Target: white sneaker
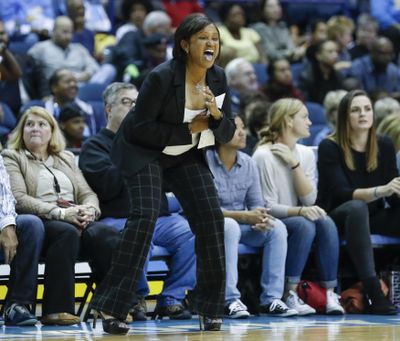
(278, 308)
(236, 310)
(333, 306)
(293, 301)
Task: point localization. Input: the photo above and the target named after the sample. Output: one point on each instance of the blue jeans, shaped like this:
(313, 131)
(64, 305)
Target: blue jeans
(173, 233)
(302, 232)
(274, 244)
(24, 267)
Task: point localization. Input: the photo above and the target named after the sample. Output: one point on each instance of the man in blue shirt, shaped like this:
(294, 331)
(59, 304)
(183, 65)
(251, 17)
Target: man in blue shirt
(21, 240)
(376, 72)
(246, 220)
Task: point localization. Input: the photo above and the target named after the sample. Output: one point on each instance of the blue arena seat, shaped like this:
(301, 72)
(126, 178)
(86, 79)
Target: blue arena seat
(91, 92)
(99, 114)
(317, 117)
(261, 72)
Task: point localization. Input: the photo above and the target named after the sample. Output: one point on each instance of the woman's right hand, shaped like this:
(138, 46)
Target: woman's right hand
(199, 123)
(72, 215)
(312, 212)
(393, 187)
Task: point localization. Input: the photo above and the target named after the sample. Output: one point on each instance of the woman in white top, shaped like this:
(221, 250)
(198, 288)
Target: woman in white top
(288, 181)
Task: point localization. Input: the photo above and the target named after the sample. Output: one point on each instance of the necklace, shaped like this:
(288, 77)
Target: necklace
(198, 86)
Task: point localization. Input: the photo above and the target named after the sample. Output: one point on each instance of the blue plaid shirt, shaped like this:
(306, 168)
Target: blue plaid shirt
(239, 188)
(7, 201)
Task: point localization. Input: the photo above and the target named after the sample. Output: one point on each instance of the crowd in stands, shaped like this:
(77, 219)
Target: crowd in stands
(71, 71)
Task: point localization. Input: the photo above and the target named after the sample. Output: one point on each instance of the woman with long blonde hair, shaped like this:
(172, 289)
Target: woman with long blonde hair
(288, 181)
(359, 186)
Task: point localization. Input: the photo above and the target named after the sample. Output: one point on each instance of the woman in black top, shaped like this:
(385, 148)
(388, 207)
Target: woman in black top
(357, 171)
(183, 105)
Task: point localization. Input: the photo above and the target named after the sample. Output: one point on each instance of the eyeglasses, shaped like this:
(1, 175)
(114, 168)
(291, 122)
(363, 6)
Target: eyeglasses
(128, 102)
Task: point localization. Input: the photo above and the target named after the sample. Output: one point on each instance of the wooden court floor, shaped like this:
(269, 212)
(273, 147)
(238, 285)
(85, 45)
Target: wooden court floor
(317, 328)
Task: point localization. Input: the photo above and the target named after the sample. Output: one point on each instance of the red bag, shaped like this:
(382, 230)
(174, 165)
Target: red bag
(312, 294)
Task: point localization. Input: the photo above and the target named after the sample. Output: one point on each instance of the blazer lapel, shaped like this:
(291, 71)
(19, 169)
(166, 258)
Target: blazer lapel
(179, 83)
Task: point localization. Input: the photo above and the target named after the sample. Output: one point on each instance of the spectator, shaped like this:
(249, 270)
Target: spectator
(319, 76)
(247, 221)
(390, 127)
(179, 10)
(359, 187)
(384, 107)
(72, 124)
(238, 40)
(318, 33)
(241, 78)
(276, 41)
(133, 15)
(280, 81)
(288, 182)
(21, 241)
(46, 182)
(172, 231)
(64, 88)
(331, 105)
(155, 53)
(256, 117)
(10, 73)
(366, 35)
(81, 35)
(59, 52)
(376, 72)
(340, 30)
(387, 13)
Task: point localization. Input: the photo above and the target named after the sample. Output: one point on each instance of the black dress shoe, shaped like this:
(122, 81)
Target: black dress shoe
(210, 323)
(111, 325)
(173, 311)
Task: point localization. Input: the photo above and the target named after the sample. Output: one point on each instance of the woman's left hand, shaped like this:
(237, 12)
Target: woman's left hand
(211, 104)
(87, 215)
(283, 152)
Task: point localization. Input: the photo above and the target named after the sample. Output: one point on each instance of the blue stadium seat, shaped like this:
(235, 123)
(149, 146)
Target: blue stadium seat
(317, 117)
(297, 68)
(31, 103)
(99, 114)
(91, 92)
(261, 72)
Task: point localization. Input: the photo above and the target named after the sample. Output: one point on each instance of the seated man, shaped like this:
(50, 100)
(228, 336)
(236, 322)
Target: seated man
(171, 231)
(246, 220)
(21, 241)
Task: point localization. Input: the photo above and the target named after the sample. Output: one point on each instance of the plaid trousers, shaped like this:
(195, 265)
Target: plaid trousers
(192, 183)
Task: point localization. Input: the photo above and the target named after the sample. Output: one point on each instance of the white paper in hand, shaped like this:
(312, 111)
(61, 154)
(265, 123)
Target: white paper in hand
(207, 137)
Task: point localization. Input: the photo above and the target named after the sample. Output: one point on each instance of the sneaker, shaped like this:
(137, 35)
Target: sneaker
(172, 308)
(293, 301)
(278, 308)
(19, 315)
(333, 306)
(236, 310)
(138, 311)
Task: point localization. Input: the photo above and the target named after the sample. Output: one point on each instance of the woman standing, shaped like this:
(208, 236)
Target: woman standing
(288, 181)
(159, 143)
(357, 175)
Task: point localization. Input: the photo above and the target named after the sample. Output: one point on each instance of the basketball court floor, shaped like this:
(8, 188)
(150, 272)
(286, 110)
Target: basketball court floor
(316, 328)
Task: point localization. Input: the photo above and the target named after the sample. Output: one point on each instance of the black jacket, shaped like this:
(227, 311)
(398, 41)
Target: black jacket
(104, 178)
(157, 119)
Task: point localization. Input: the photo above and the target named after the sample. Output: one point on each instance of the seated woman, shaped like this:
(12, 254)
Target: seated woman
(280, 81)
(288, 181)
(46, 182)
(246, 220)
(359, 186)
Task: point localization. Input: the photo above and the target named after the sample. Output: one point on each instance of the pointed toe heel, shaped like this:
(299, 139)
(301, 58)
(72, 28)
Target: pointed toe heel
(209, 323)
(111, 325)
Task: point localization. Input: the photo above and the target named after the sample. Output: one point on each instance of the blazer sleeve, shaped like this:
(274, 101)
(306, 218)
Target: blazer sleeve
(143, 125)
(25, 203)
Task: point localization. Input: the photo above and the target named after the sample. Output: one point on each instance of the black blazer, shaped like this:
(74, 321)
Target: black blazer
(157, 119)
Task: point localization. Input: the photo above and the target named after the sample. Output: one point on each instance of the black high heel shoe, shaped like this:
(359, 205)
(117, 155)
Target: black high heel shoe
(110, 325)
(210, 323)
